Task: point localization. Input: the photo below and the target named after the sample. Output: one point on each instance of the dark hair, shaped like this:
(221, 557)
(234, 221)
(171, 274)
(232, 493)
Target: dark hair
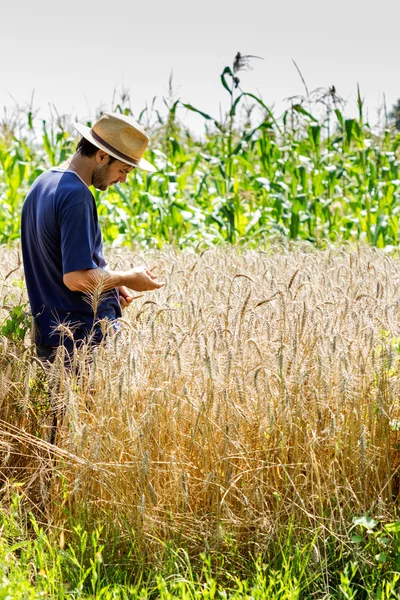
(86, 148)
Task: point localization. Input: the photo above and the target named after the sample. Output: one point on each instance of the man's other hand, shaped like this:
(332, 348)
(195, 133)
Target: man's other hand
(125, 297)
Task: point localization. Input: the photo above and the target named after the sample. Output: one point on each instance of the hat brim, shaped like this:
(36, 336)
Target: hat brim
(86, 133)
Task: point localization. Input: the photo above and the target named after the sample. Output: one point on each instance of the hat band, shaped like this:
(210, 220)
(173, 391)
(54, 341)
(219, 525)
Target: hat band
(123, 157)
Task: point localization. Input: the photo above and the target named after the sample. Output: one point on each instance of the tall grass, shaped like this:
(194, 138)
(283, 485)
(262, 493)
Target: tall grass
(258, 389)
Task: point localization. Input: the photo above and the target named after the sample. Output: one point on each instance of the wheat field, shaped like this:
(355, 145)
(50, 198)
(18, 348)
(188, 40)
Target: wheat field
(257, 389)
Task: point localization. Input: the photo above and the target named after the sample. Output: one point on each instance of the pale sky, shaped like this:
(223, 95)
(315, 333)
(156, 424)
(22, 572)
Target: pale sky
(74, 54)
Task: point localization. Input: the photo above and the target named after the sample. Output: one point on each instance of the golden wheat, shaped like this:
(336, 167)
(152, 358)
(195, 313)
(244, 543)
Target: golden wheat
(255, 387)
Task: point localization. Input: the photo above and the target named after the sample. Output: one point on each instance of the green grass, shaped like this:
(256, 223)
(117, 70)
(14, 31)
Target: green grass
(37, 562)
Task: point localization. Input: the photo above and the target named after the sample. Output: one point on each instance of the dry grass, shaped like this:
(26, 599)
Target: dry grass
(256, 387)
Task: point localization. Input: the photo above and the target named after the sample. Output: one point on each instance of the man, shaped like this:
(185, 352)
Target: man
(62, 244)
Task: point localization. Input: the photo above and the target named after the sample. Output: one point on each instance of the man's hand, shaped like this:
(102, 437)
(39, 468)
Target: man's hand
(125, 298)
(141, 279)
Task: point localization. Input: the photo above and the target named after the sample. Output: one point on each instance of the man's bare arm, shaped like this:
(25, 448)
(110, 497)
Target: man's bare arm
(139, 279)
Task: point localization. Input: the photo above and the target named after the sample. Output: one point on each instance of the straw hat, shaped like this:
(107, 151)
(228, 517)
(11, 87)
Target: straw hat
(121, 137)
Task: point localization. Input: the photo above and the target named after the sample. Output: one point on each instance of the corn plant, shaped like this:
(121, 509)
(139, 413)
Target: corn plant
(312, 174)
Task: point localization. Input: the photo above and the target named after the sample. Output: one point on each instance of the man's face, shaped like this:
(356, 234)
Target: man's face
(106, 173)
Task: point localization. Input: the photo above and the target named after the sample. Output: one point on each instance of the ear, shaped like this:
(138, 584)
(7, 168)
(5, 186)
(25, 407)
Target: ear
(101, 157)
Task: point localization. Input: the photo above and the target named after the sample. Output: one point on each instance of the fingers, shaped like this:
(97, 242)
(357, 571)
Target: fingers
(157, 284)
(123, 302)
(143, 280)
(125, 297)
(150, 274)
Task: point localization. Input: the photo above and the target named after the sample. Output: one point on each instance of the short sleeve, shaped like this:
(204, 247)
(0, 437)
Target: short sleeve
(78, 238)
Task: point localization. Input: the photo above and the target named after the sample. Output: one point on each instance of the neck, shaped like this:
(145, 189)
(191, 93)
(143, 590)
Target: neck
(82, 165)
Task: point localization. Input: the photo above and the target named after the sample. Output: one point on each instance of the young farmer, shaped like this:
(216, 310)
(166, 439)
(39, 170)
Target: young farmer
(61, 239)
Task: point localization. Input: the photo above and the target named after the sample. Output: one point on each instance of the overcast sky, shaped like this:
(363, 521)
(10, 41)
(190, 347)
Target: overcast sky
(75, 54)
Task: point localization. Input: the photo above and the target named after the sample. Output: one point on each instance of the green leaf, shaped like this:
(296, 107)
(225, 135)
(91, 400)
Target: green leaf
(349, 124)
(245, 138)
(226, 71)
(196, 110)
(393, 527)
(357, 539)
(315, 134)
(18, 546)
(381, 557)
(366, 522)
(360, 104)
(378, 229)
(339, 116)
(264, 106)
(300, 109)
(254, 221)
(383, 540)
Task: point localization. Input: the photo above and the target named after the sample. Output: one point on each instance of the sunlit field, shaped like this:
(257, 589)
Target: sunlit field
(239, 436)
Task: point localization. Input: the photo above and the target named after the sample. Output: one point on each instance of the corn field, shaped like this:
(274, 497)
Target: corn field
(251, 175)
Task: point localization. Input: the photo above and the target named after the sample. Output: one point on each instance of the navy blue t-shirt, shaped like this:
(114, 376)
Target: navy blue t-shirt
(60, 233)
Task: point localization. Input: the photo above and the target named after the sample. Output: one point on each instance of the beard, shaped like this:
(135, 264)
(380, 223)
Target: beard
(100, 179)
